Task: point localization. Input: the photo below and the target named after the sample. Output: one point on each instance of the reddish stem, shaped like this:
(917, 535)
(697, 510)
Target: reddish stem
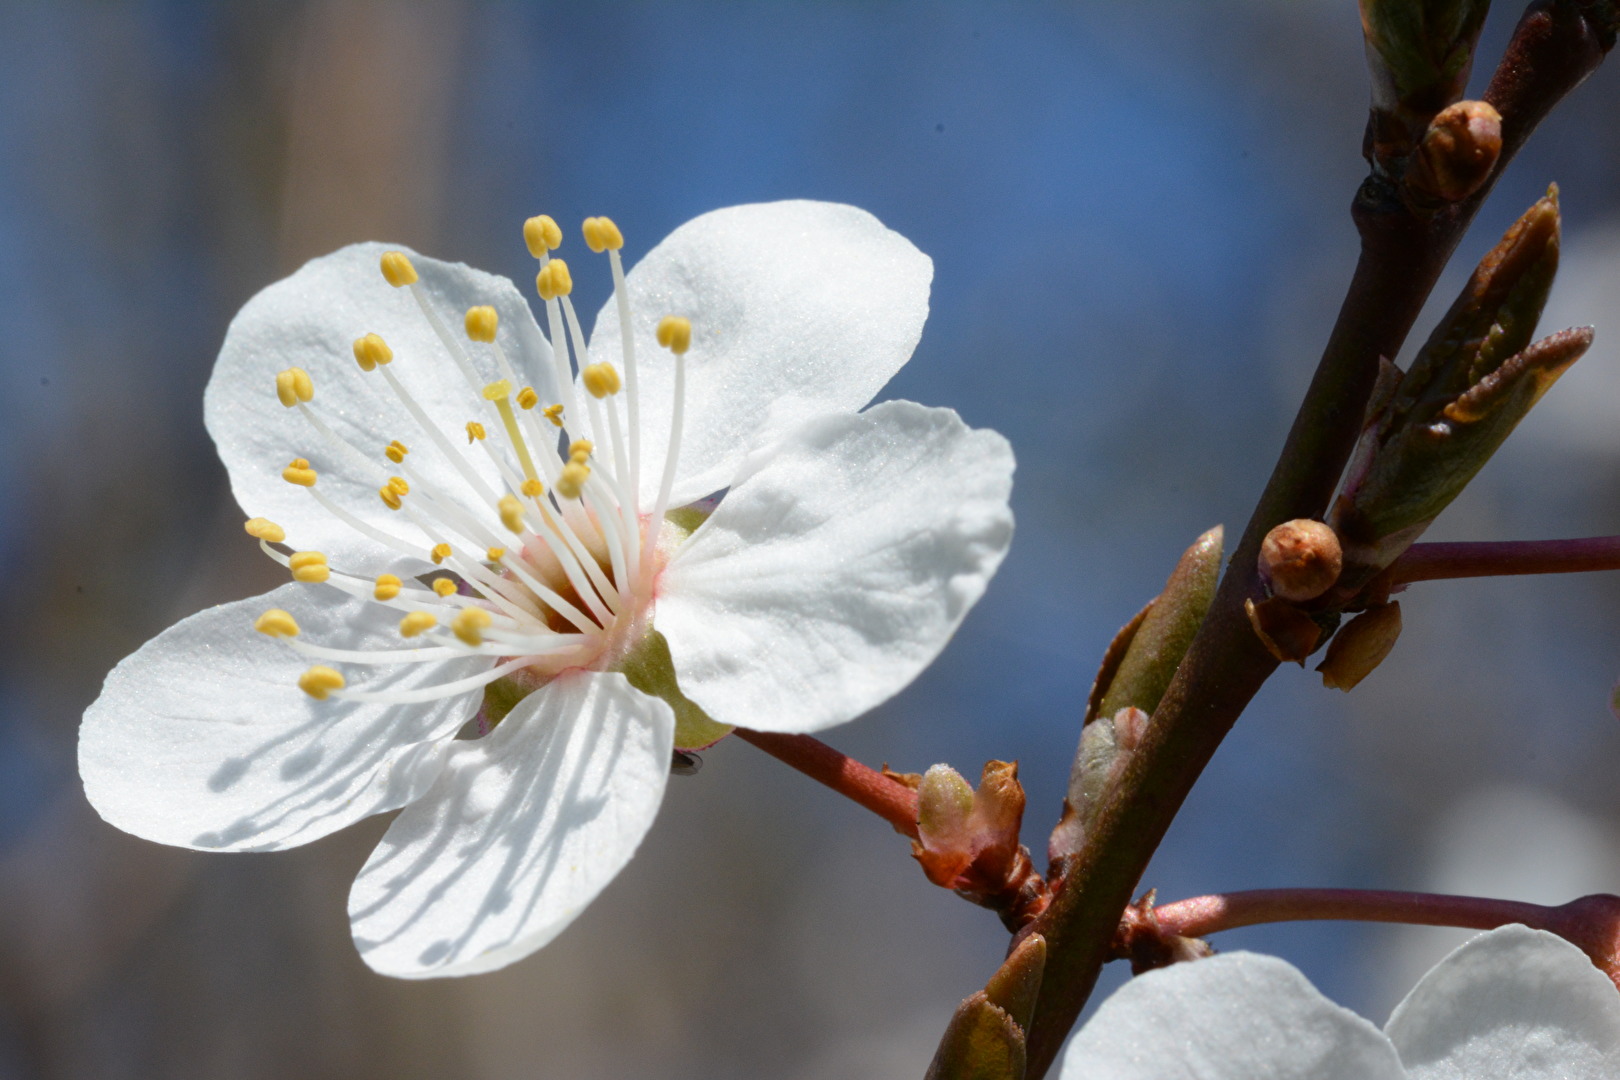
(1591, 923)
(1203, 915)
(1429, 562)
(888, 799)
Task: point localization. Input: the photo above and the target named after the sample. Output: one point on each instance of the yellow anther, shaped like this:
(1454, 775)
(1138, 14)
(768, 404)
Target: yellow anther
(533, 488)
(581, 448)
(527, 398)
(495, 554)
(276, 623)
(371, 350)
(439, 553)
(294, 385)
(389, 496)
(319, 681)
(264, 529)
(481, 323)
(387, 587)
(469, 625)
(571, 481)
(553, 280)
(601, 234)
(398, 486)
(309, 567)
(499, 390)
(675, 333)
(554, 414)
(601, 379)
(444, 586)
(417, 622)
(475, 431)
(396, 451)
(397, 268)
(511, 513)
(298, 472)
(542, 235)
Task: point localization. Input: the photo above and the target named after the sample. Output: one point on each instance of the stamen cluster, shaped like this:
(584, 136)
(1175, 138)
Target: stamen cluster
(551, 569)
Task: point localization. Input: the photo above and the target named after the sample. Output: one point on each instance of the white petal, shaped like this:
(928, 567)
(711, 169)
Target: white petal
(1238, 1016)
(797, 309)
(310, 320)
(202, 738)
(522, 829)
(838, 567)
(1512, 1004)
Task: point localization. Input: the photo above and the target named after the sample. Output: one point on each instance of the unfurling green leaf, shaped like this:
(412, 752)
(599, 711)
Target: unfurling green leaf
(1165, 631)
(1106, 746)
(1134, 675)
(1471, 384)
(1017, 983)
(981, 1043)
(1422, 50)
(985, 1039)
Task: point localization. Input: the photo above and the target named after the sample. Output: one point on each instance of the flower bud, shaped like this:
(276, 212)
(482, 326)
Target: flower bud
(1300, 559)
(944, 803)
(1458, 152)
(968, 840)
(1360, 646)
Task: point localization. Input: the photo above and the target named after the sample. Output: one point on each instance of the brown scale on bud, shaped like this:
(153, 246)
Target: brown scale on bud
(1361, 646)
(1457, 155)
(1287, 632)
(1300, 560)
(1147, 945)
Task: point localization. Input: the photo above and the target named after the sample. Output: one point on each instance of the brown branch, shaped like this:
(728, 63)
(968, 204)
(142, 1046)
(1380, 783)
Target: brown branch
(1553, 50)
(1433, 562)
(888, 799)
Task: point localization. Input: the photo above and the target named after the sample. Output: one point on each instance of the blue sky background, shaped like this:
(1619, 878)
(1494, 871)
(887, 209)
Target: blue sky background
(1138, 219)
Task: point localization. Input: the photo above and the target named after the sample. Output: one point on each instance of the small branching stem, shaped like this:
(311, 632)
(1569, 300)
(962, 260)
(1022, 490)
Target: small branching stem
(1432, 562)
(1205, 915)
(1591, 923)
(888, 799)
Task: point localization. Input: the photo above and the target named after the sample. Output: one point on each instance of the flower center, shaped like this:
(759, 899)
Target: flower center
(554, 566)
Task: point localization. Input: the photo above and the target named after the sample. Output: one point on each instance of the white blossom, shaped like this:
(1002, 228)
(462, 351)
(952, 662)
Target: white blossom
(1511, 1004)
(480, 524)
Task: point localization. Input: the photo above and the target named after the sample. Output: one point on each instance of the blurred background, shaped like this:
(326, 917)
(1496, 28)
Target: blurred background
(1137, 214)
